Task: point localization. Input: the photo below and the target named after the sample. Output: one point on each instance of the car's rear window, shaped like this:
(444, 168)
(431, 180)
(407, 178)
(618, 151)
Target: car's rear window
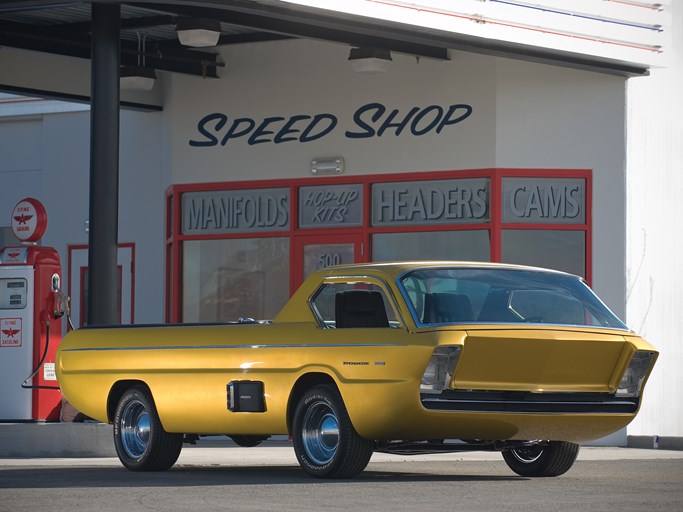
(496, 295)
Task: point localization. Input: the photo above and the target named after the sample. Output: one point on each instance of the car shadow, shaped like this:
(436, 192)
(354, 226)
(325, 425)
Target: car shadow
(204, 476)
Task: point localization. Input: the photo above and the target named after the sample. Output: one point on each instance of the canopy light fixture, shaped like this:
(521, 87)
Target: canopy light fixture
(369, 59)
(140, 77)
(198, 32)
(137, 78)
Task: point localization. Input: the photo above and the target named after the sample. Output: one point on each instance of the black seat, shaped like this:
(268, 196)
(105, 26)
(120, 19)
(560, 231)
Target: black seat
(495, 308)
(443, 308)
(360, 308)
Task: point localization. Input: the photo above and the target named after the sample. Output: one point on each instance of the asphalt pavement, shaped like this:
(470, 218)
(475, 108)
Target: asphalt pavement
(221, 476)
(225, 453)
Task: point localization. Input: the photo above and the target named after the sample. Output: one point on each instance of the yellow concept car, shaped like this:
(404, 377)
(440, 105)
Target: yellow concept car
(398, 357)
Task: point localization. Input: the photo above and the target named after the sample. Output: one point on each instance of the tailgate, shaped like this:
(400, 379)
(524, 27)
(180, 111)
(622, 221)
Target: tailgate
(541, 361)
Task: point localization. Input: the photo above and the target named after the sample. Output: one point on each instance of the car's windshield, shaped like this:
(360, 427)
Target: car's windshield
(497, 295)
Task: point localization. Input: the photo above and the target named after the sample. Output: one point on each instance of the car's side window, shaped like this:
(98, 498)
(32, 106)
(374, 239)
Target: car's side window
(343, 305)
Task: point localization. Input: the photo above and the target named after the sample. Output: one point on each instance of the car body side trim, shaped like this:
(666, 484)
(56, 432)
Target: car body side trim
(212, 347)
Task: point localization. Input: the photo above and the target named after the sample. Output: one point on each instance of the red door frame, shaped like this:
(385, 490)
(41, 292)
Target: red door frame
(83, 280)
(74, 247)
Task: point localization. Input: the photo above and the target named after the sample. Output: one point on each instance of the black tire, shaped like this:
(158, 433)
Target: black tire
(141, 442)
(552, 459)
(325, 442)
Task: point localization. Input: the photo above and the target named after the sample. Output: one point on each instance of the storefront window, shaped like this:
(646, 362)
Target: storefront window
(226, 279)
(466, 245)
(558, 249)
(241, 249)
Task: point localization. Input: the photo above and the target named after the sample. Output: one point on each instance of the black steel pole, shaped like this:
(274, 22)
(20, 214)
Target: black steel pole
(104, 165)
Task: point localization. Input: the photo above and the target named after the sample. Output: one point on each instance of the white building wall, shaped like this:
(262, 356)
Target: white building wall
(553, 117)
(47, 157)
(655, 227)
(302, 77)
(21, 163)
(142, 204)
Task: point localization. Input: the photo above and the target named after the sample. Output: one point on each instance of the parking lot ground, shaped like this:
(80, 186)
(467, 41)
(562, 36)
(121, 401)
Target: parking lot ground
(268, 478)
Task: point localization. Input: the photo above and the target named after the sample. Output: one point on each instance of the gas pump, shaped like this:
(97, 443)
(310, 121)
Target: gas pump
(31, 306)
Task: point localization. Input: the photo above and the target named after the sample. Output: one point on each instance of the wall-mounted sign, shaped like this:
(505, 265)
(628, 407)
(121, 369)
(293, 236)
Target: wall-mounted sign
(370, 120)
(331, 206)
(430, 202)
(544, 200)
(235, 211)
(29, 220)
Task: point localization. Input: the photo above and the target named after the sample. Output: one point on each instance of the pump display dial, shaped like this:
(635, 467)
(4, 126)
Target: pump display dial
(13, 293)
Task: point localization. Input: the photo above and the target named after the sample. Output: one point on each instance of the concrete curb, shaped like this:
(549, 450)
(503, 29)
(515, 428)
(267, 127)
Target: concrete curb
(22, 440)
(656, 442)
(94, 440)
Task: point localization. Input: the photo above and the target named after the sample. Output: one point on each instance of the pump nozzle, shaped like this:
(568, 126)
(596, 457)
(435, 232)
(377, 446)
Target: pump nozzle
(61, 300)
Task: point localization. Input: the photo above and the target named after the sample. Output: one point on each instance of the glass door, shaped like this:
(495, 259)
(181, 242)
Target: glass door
(313, 252)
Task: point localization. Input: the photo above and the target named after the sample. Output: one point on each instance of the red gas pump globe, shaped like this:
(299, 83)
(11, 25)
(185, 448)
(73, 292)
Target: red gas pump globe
(30, 328)
(29, 220)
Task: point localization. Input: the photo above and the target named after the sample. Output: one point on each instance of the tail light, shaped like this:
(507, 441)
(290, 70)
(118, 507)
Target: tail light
(440, 369)
(632, 381)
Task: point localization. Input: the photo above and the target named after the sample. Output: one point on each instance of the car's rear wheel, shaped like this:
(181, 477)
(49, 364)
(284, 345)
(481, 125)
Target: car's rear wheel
(551, 459)
(141, 442)
(325, 442)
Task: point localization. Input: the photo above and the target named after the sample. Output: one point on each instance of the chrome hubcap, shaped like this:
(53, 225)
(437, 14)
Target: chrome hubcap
(528, 455)
(135, 429)
(320, 433)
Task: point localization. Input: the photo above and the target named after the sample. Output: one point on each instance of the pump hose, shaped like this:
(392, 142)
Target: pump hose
(26, 384)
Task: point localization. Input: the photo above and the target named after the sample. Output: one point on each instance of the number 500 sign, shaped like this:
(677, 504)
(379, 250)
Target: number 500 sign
(329, 259)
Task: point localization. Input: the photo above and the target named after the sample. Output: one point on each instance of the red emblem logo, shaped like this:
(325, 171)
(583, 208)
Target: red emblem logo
(10, 333)
(22, 219)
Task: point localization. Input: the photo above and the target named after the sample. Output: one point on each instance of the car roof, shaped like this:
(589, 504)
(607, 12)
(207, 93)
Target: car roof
(384, 271)
(399, 267)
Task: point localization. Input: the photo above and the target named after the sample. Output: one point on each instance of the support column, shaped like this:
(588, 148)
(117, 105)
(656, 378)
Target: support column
(104, 165)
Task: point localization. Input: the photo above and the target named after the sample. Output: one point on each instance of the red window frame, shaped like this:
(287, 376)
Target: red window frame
(495, 224)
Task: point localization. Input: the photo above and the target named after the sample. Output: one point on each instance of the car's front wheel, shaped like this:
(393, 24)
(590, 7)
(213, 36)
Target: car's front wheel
(325, 442)
(141, 442)
(551, 459)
